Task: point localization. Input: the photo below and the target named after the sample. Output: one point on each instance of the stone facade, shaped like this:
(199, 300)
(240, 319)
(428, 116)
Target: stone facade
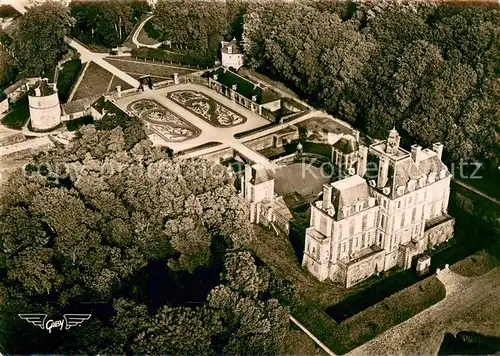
(381, 216)
(231, 54)
(45, 110)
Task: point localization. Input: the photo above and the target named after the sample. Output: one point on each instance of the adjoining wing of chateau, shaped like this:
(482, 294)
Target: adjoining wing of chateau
(390, 206)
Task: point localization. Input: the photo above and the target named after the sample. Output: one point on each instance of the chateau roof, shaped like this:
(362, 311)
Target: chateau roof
(235, 47)
(347, 192)
(259, 174)
(78, 105)
(45, 88)
(106, 107)
(244, 86)
(431, 163)
(403, 169)
(347, 144)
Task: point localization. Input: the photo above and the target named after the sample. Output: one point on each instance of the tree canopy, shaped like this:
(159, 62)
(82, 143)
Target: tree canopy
(105, 23)
(38, 41)
(429, 70)
(91, 227)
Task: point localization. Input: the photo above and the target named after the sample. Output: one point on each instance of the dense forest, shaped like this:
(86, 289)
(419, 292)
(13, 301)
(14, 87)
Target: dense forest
(429, 70)
(105, 23)
(153, 248)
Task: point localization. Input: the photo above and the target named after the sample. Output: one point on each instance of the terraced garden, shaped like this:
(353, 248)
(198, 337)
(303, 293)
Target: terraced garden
(206, 108)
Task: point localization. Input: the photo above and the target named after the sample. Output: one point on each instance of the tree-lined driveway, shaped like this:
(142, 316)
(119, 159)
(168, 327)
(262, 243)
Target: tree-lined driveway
(471, 304)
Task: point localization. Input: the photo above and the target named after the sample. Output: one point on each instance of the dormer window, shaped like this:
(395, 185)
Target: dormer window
(345, 211)
(230, 49)
(234, 86)
(216, 76)
(431, 177)
(411, 185)
(359, 206)
(401, 190)
(371, 202)
(442, 174)
(421, 182)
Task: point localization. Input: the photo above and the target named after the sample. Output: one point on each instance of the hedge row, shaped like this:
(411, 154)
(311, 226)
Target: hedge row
(159, 55)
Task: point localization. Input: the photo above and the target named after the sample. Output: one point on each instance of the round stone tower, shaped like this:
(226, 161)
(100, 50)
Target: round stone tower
(45, 111)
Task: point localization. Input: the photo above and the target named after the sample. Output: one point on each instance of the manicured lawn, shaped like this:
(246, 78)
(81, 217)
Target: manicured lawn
(371, 322)
(139, 68)
(298, 343)
(18, 114)
(67, 77)
(117, 81)
(95, 81)
(143, 36)
(476, 264)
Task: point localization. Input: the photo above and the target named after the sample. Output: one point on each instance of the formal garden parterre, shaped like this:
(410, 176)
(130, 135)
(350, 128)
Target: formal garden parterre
(206, 108)
(163, 121)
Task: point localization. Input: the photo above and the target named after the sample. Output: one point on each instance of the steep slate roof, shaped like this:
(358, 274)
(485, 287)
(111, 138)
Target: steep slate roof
(347, 144)
(244, 86)
(103, 104)
(78, 105)
(235, 47)
(347, 192)
(15, 86)
(403, 172)
(259, 175)
(403, 169)
(45, 88)
(431, 163)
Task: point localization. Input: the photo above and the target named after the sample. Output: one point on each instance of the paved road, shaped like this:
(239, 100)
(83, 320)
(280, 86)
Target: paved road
(138, 30)
(471, 304)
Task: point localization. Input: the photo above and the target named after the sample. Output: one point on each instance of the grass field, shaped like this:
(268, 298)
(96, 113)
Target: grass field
(297, 343)
(158, 72)
(18, 114)
(476, 264)
(67, 77)
(97, 80)
(143, 36)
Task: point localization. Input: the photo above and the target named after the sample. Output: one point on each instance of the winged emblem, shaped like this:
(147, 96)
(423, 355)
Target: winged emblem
(35, 319)
(75, 319)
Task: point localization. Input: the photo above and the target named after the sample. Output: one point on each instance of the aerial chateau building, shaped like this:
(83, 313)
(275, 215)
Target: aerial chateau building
(231, 54)
(390, 207)
(45, 110)
(252, 96)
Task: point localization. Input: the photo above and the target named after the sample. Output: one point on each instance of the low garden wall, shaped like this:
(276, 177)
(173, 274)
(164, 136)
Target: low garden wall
(260, 143)
(178, 58)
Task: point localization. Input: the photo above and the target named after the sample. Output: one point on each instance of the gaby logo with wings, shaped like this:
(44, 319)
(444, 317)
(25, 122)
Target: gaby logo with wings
(69, 321)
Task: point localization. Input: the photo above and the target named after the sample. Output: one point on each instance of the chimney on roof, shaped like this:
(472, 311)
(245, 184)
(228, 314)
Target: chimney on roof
(327, 196)
(246, 185)
(362, 160)
(383, 171)
(416, 153)
(119, 91)
(438, 148)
